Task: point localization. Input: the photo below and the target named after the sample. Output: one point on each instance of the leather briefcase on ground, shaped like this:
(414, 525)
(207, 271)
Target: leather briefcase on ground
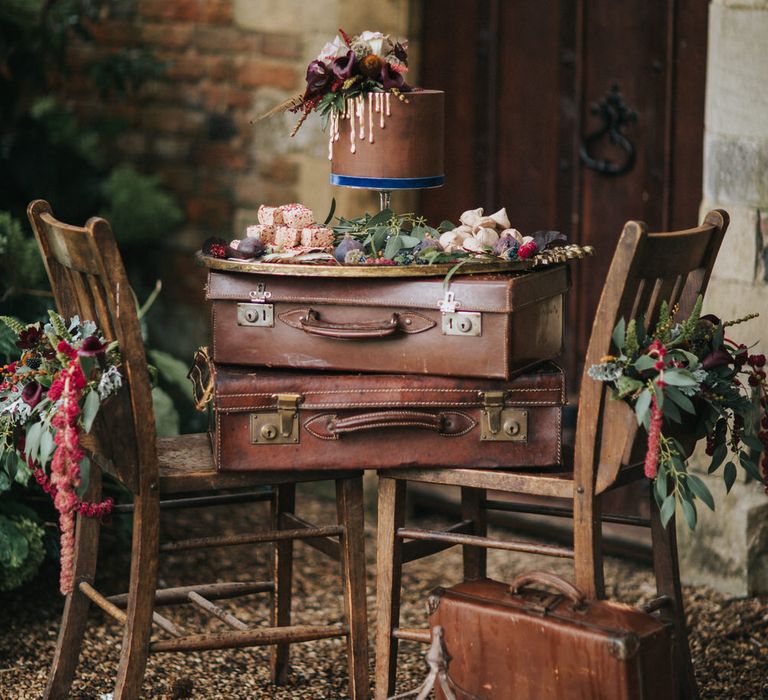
(272, 419)
(525, 642)
(482, 326)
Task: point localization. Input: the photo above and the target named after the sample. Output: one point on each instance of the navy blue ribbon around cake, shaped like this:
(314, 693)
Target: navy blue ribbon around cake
(387, 183)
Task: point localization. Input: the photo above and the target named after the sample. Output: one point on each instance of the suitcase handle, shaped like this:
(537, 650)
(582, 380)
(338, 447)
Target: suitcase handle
(387, 419)
(546, 579)
(312, 324)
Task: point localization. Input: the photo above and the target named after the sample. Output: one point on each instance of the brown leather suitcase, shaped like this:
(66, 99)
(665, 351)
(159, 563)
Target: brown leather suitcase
(482, 326)
(272, 419)
(525, 642)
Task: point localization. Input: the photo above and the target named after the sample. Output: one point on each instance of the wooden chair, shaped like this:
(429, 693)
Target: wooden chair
(646, 269)
(88, 279)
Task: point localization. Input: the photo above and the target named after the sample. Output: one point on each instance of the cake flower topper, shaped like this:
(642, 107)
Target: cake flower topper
(345, 70)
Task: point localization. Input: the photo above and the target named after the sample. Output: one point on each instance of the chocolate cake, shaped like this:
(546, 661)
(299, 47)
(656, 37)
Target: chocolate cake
(382, 142)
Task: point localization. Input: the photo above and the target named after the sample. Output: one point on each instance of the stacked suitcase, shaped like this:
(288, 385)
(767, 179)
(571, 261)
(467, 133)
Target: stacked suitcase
(315, 373)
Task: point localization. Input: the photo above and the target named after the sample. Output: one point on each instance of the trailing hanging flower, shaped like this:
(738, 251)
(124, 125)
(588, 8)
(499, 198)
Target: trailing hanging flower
(690, 372)
(47, 399)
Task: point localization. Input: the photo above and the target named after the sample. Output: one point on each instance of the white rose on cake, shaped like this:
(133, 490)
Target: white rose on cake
(333, 49)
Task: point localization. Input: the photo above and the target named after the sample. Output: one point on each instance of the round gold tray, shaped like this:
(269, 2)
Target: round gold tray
(322, 270)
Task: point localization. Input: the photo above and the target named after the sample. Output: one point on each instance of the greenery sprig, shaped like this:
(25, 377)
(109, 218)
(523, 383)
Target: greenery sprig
(686, 379)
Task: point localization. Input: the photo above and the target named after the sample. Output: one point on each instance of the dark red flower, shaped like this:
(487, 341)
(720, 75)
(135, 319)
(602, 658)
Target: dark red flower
(741, 355)
(344, 66)
(30, 337)
(756, 360)
(390, 78)
(215, 247)
(32, 393)
(92, 347)
(718, 358)
(318, 77)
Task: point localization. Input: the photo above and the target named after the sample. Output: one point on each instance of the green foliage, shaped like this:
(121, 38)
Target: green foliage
(166, 416)
(686, 379)
(138, 209)
(21, 266)
(21, 545)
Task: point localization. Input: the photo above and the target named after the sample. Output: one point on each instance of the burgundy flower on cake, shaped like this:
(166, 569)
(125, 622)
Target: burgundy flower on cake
(318, 77)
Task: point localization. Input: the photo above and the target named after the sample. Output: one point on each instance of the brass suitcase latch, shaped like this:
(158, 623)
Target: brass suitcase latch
(280, 427)
(499, 423)
(257, 312)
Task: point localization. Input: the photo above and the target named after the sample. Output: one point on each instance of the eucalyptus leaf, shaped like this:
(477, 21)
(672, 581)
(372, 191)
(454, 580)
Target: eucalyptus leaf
(749, 466)
(717, 457)
(380, 217)
(667, 509)
(409, 241)
(644, 362)
(660, 488)
(379, 237)
(627, 385)
(643, 406)
(729, 476)
(679, 398)
(394, 244)
(753, 443)
(672, 412)
(5, 482)
(679, 377)
(419, 232)
(619, 334)
(446, 225)
(90, 409)
(46, 447)
(699, 488)
(689, 513)
(11, 465)
(32, 442)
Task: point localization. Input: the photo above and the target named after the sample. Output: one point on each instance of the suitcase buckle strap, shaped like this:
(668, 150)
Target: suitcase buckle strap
(280, 427)
(287, 412)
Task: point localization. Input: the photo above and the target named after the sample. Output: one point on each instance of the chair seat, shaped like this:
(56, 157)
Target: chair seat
(186, 464)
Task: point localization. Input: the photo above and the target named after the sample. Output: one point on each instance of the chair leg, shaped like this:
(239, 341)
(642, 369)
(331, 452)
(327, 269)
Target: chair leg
(283, 501)
(475, 558)
(141, 597)
(350, 514)
(667, 571)
(587, 543)
(389, 565)
(75, 615)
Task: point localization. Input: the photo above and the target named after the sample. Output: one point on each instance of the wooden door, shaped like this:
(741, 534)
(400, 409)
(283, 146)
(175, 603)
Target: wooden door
(523, 79)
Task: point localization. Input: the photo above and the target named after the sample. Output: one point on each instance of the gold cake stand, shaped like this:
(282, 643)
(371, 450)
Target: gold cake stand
(547, 258)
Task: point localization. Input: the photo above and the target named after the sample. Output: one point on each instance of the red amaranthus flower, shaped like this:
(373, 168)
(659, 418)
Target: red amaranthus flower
(65, 466)
(654, 435)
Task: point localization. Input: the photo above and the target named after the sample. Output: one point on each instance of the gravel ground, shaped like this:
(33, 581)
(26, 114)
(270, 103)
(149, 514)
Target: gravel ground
(729, 636)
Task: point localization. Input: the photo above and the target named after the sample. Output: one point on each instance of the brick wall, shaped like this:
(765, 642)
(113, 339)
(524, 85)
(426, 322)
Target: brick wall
(227, 61)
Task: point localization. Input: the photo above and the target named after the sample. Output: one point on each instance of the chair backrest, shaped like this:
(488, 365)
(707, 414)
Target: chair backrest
(88, 278)
(647, 268)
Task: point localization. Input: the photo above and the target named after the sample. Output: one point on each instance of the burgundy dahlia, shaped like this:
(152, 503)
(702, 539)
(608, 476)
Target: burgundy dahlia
(30, 337)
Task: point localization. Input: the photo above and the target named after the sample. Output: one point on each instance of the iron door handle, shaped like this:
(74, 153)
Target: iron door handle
(615, 114)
